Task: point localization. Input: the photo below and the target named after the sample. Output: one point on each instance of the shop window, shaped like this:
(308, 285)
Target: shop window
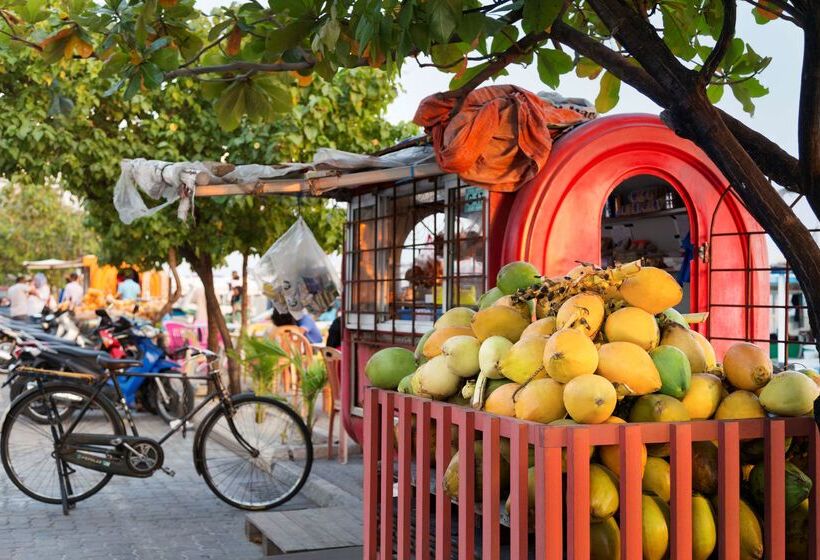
(645, 218)
(413, 250)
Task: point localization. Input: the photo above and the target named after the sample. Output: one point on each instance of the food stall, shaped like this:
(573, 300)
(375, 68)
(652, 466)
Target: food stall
(420, 241)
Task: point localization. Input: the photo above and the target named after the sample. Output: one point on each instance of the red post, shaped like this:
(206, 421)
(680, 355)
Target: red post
(578, 494)
(405, 491)
(814, 497)
(549, 519)
(681, 460)
(729, 490)
(630, 491)
(386, 519)
(491, 492)
(443, 509)
(775, 534)
(466, 485)
(422, 479)
(519, 461)
(371, 467)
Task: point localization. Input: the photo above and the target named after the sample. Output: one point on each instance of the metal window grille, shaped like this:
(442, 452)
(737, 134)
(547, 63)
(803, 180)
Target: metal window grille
(413, 249)
(784, 311)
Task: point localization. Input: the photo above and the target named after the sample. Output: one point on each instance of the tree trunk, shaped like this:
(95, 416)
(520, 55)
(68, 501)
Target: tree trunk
(243, 313)
(174, 296)
(808, 123)
(203, 265)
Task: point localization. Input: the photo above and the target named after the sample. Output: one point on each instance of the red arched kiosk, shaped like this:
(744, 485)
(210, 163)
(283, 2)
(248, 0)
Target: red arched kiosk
(614, 188)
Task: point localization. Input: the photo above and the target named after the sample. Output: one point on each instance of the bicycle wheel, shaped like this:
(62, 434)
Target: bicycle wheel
(270, 475)
(27, 446)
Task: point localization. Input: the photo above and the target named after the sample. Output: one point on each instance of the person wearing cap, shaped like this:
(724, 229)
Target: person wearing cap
(18, 298)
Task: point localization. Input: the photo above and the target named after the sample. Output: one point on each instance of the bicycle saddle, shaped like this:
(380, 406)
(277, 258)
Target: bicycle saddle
(113, 364)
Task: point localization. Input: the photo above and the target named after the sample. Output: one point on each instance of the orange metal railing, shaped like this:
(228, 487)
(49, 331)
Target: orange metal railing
(399, 430)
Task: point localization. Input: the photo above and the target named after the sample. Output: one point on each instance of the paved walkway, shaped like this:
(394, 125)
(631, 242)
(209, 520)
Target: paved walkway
(156, 518)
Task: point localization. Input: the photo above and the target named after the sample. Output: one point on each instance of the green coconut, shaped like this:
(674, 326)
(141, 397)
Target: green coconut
(516, 275)
(386, 368)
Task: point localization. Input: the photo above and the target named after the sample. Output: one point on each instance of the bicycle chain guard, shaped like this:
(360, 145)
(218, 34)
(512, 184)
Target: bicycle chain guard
(132, 456)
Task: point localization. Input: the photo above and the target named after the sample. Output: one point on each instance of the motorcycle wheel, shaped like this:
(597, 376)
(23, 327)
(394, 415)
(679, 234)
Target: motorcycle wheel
(37, 413)
(180, 398)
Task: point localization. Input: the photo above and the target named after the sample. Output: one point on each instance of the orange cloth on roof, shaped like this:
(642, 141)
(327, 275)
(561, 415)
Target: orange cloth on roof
(499, 139)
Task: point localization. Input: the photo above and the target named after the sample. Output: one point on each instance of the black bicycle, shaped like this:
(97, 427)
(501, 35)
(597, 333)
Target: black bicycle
(253, 452)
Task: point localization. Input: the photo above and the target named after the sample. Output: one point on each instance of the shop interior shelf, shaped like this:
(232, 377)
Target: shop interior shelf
(644, 216)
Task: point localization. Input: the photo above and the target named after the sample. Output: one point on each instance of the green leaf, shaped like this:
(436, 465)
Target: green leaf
(114, 65)
(133, 85)
(733, 53)
(609, 93)
(444, 17)
(678, 30)
(152, 76)
(472, 26)
(231, 106)
(281, 101)
(467, 75)
(157, 45)
(551, 64)
(217, 29)
(280, 40)
(766, 11)
(741, 94)
(449, 56)
(166, 59)
(539, 14)
(715, 93)
(504, 38)
(587, 68)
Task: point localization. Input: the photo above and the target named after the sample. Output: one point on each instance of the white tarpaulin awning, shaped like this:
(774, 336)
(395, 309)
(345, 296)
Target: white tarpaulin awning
(52, 264)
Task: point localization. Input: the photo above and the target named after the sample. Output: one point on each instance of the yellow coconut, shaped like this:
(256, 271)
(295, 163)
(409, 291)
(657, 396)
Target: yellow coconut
(657, 478)
(584, 311)
(524, 361)
(740, 405)
(704, 396)
(747, 366)
(589, 399)
(501, 400)
(520, 305)
(605, 540)
(540, 400)
(704, 529)
(541, 327)
(629, 367)
(682, 338)
(499, 321)
(568, 354)
(651, 289)
(654, 530)
(708, 350)
(603, 493)
(434, 342)
(633, 324)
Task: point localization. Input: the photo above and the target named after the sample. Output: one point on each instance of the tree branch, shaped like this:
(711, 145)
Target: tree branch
(239, 67)
(14, 37)
(727, 32)
(640, 38)
(775, 162)
(206, 48)
(513, 53)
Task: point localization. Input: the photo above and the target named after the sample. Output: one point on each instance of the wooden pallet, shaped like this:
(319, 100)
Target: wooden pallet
(305, 530)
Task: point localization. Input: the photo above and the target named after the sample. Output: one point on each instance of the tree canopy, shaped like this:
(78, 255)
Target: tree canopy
(38, 222)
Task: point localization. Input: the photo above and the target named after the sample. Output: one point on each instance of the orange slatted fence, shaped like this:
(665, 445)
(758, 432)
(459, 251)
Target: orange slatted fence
(407, 516)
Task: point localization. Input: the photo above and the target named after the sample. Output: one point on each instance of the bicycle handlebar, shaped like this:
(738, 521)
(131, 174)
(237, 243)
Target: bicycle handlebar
(209, 356)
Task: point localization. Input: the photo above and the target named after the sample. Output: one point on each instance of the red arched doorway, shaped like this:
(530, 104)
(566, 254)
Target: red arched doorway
(555, 219)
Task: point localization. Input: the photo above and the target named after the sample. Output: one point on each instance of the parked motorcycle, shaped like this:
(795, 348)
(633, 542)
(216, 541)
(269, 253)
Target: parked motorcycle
(169, 398)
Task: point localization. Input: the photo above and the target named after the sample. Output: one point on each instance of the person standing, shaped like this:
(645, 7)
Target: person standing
(39, 295)
(18, 297)
(129, 288)
(73, 291)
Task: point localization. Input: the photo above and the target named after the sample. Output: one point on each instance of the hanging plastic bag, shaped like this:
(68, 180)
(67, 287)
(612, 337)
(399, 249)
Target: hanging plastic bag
(296, 274)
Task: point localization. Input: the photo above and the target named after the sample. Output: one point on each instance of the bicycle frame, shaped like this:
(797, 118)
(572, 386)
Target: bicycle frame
(59, 435)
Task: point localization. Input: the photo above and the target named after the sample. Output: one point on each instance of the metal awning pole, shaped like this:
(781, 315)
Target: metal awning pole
(321, 185)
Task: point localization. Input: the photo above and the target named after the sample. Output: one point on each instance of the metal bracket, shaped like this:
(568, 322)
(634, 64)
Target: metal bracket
(703, 252)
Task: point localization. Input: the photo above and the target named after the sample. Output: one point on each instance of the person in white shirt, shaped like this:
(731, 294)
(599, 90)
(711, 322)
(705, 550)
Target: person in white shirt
(18, 296)
(39, 296)
(73, 291)
(196, 297)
